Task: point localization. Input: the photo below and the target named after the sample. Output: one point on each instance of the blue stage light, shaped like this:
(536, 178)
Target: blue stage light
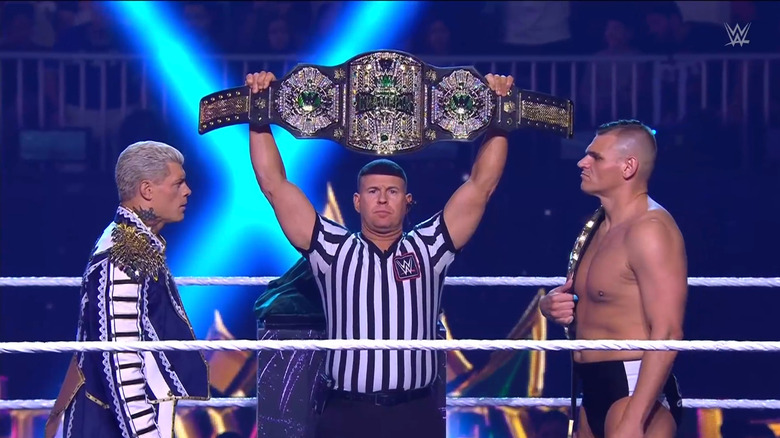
(236, 232)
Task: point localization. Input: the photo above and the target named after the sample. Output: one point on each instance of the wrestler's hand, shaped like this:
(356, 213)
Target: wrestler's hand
(499, 83)
(558, 304)
(259, 81)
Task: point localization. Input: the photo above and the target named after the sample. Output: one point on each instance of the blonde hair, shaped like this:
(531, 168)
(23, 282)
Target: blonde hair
(143, 160)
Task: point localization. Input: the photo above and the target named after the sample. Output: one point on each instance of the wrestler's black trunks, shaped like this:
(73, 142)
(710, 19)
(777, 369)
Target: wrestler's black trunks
(604, 383)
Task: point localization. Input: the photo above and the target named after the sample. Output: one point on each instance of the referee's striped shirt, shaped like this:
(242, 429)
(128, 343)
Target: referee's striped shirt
(371, 294)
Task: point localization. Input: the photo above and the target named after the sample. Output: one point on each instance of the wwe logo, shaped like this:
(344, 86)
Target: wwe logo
(737, 35)
(406, 267)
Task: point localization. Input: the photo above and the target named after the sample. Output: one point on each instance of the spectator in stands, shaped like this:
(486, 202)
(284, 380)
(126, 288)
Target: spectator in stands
(270, 27)
(668, 32)
(279, 38)
(538, 28)
(435, 37)
(20, 93)
(204, 23)
(618, 41)
(102, 110)
(64, 18)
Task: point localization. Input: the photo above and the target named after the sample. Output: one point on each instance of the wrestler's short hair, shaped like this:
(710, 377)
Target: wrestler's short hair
(629, 126)
(634, 136)
(382, 166)
(143, 160)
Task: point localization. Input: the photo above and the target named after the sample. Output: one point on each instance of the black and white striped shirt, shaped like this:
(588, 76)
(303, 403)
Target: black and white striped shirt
(372, 294)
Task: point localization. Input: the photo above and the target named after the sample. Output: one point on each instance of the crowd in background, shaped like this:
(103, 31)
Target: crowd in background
(38, 94)
(506, 28)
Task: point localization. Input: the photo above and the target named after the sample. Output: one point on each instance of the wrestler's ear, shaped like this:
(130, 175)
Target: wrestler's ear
(356, 202)
(146, 188)
(630, 167)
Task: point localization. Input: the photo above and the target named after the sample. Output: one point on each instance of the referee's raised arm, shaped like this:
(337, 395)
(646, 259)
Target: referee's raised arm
(294, 211)
(465, 208)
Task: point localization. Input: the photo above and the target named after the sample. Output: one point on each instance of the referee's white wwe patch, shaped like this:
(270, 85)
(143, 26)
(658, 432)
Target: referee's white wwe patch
(406, 266)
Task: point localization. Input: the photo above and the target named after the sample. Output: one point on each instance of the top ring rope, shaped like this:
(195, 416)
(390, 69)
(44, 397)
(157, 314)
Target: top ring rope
(450, 281)
(376, 344)
(452, 402)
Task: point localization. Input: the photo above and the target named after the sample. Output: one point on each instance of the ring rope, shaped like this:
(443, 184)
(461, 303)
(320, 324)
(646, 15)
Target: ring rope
(452, 402)
(450, 281)
(376, 344)
(553, 345)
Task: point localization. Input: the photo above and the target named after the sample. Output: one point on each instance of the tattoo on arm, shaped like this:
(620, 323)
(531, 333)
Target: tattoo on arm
(148, 216)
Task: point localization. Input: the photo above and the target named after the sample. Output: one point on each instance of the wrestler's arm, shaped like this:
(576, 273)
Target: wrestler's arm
(656, 253)
(126, 380)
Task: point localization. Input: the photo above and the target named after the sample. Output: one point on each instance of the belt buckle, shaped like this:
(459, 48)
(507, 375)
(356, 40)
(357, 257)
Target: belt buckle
(383, 399)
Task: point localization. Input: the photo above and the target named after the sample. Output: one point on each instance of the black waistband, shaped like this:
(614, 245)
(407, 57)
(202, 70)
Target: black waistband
(383, 398)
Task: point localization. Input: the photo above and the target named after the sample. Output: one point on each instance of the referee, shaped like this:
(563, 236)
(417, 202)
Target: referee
(381, 282)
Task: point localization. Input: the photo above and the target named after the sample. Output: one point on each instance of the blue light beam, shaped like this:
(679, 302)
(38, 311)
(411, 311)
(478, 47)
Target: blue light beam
(237, 232)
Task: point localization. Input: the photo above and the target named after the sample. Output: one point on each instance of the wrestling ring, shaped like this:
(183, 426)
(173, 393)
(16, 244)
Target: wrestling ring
(438, 345)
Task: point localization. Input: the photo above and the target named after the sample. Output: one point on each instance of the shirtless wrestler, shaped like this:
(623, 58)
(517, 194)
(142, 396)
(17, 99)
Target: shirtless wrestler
(631, 284)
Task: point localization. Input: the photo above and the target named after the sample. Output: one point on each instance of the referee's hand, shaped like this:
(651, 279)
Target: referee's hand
(558, 304)
(500, 83)
(259, 81)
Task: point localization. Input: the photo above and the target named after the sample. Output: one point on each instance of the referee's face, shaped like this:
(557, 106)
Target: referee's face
(382, 202)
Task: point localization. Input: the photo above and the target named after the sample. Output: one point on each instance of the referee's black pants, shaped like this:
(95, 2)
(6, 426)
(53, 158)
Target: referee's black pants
(345, 418)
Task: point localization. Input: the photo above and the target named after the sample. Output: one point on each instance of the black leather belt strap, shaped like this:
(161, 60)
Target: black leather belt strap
(382, 398)
(573, 405)
(574, 260)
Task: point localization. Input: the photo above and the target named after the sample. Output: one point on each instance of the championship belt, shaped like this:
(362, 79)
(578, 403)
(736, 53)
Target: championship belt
(385, 102)
(580, 245)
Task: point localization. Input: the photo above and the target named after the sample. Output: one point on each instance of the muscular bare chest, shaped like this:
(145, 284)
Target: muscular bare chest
(609, 306)
(603, 273)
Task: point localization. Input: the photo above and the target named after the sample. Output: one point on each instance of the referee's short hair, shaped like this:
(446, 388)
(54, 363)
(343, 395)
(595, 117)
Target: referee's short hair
(382, 166)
